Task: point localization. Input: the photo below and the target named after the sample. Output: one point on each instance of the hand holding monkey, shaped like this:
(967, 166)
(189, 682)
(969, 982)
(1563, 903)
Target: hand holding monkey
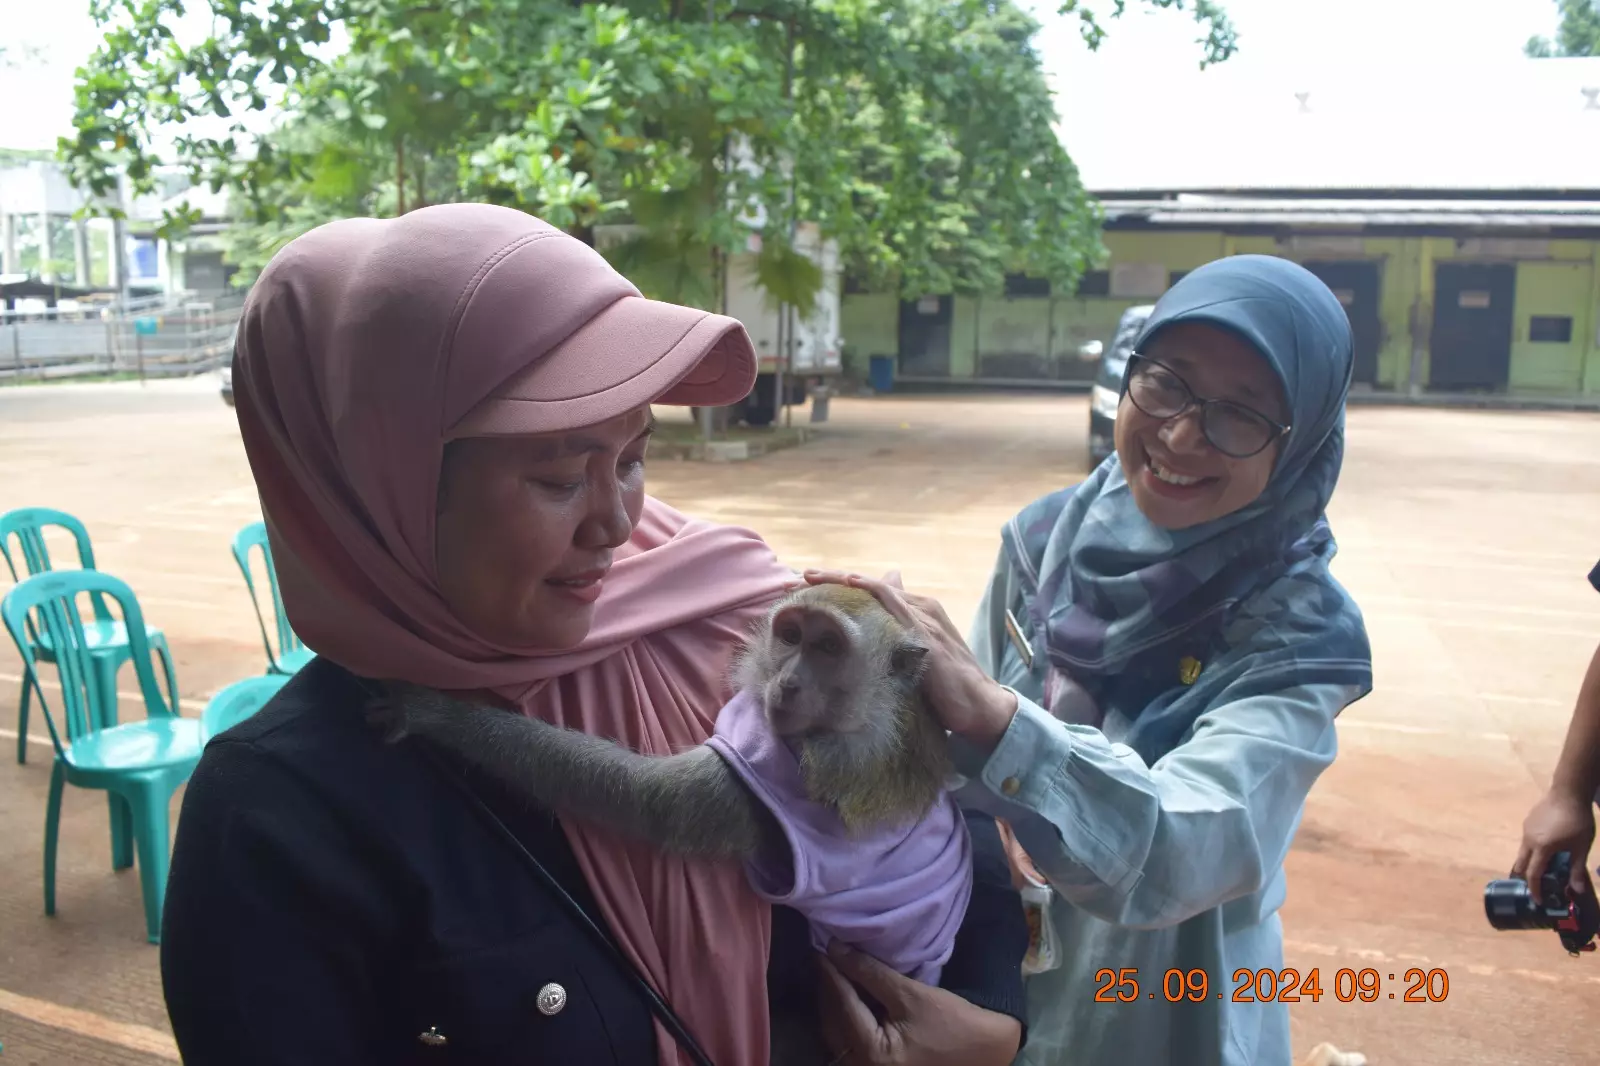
(965, 699)
(920, 1026)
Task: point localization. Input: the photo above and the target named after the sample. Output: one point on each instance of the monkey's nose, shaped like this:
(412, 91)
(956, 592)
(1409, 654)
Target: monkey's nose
(788, 686)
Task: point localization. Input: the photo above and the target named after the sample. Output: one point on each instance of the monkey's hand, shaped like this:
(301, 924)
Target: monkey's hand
(689, 804)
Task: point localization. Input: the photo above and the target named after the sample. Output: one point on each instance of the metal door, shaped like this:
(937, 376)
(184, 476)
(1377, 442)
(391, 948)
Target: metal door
(1358, 285)
(1472, 320)
(925, 336)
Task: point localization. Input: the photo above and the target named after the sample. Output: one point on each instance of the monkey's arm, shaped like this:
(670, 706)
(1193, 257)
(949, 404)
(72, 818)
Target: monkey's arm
(690, 804)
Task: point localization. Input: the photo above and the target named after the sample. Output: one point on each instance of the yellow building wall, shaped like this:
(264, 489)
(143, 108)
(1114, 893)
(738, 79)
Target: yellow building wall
(1182, 250)
(964, 337)
(1591, 374)
(1400, 286)
(1010, 332)
(1552, 289)
(870, 325)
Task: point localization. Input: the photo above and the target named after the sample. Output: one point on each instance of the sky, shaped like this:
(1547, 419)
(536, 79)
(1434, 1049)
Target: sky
(1397, 90)
(1148, 57)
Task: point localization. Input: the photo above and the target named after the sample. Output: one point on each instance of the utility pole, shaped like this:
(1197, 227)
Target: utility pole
(706, 413)
(785, 311)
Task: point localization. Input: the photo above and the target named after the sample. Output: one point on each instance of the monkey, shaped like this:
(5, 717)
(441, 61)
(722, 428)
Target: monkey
(838, 677)
(827, 696)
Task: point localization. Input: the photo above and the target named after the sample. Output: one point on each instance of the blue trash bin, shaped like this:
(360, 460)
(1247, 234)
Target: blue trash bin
(880, 373)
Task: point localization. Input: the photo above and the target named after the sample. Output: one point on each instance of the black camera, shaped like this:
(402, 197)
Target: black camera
(1511, 904)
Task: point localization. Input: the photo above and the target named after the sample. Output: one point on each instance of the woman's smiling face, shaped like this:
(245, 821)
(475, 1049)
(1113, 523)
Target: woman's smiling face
(1177, 476)
(527, 527)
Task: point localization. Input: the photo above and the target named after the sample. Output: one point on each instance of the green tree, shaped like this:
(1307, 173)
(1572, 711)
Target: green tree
(919, 133)
(1578, 34)
(1220, 40)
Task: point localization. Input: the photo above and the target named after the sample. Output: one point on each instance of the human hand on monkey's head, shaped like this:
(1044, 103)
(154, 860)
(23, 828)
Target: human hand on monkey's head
(967, 701)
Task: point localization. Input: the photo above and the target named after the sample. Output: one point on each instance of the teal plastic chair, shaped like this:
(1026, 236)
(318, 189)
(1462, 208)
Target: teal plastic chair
(138, 764)
(107, 636)
(239, 701)
(290, 654)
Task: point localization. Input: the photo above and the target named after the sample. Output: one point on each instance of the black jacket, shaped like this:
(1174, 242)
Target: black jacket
(332, 899)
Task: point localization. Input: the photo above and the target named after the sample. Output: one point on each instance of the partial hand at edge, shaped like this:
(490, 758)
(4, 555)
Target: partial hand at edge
(1560, 821)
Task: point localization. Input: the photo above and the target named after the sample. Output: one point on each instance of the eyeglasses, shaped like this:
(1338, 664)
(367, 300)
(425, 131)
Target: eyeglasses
(1231, 428)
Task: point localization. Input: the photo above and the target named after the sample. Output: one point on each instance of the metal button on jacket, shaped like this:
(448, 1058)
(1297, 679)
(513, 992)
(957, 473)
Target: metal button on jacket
(432, 1038)
(552, 997)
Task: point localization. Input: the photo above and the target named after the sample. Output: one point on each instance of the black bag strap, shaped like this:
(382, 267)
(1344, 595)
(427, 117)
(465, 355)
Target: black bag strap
(658, 1006)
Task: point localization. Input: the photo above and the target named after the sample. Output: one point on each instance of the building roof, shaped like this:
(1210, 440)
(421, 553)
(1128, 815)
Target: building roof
(1188, 209)
(1527, 125)
(35, 186)
(32, 287)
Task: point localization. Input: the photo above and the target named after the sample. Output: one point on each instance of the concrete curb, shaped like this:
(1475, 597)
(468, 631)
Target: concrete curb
(729, 451)
(1462, 401)
(208, 381)
(1479, 403)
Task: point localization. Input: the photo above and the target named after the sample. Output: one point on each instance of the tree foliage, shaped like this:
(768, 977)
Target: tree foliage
(1220, 41)
(1577, 35)
(919, 133)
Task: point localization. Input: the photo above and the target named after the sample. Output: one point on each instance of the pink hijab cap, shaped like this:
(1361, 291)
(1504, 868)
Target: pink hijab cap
(627, 352)
(366, 344)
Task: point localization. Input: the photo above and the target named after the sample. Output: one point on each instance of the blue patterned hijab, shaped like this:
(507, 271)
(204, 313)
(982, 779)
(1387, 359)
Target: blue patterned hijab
(1129, 611)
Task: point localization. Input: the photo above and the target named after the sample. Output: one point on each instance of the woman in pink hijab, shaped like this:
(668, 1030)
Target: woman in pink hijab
(446, 416)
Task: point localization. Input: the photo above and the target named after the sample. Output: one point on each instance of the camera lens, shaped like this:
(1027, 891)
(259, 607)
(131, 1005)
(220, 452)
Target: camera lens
(1509, 905)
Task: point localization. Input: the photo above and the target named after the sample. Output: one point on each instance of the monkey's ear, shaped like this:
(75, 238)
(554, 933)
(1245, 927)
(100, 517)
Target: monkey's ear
(907, 659)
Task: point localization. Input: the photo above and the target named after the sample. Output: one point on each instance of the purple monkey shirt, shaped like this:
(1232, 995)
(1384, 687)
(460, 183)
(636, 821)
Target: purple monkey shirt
(898, 894)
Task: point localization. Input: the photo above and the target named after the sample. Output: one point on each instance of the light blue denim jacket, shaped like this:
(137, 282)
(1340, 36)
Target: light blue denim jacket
(1174, 865)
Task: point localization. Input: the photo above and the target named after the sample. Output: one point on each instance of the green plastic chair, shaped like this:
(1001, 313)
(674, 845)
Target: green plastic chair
(138, 764)
(239, 701)
(291, 654)
(108, 636)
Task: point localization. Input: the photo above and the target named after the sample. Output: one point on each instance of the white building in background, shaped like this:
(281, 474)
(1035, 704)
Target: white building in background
(41, 238)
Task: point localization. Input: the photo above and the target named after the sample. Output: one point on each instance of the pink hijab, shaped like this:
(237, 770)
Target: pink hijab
(366, 345)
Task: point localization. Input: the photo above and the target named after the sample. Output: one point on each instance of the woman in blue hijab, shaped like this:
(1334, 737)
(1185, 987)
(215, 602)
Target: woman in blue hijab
(1150, 689)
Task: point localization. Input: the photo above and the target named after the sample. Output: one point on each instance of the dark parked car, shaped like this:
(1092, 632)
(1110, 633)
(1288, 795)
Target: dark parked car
(1107, 390)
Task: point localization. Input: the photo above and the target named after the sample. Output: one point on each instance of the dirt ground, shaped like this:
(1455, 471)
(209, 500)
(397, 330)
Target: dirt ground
(1465, 536)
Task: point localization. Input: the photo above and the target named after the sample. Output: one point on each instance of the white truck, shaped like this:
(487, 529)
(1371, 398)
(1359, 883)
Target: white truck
(799, 346)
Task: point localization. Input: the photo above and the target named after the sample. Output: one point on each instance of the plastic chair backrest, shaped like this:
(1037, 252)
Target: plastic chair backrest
(51, 600)
(248, 539)
(239, 701)
(27, 526)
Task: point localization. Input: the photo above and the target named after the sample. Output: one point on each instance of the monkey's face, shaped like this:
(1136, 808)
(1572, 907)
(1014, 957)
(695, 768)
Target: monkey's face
(826, 671)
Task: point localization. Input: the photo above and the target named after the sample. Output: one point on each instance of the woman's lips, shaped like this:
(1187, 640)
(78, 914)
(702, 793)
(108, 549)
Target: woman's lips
(1175, 485)
(584, 587)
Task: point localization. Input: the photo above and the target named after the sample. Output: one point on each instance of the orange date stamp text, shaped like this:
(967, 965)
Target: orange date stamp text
(1194, 985)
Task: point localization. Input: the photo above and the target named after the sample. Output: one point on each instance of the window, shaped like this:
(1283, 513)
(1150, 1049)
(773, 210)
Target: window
(1550, 329)
(142, 259)
(1095, 283)
(1022, 285)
